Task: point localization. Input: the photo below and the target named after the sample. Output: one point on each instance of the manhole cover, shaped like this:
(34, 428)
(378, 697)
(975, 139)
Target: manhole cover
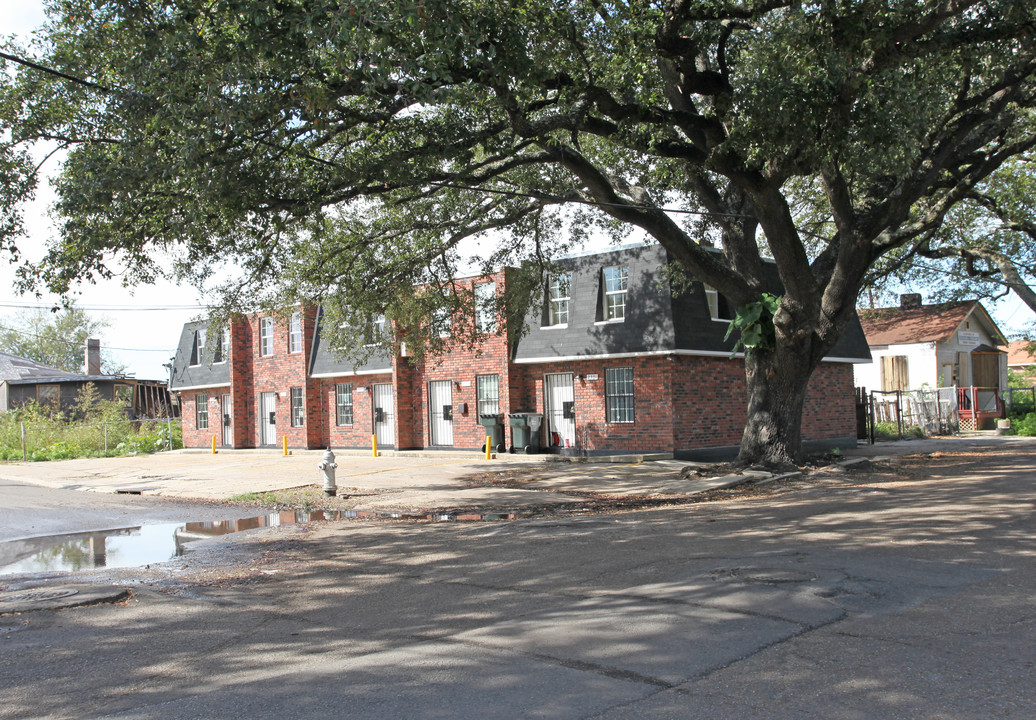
(59, 598)
(768, 576)
(30, 596)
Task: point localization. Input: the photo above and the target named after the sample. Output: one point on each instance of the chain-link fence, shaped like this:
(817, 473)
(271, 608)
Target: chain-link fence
(929, 411)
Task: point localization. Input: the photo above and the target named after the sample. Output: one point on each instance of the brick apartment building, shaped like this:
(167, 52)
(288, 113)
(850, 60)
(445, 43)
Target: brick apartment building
(614, 360)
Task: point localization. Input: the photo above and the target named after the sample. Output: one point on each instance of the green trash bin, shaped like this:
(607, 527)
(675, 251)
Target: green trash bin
(494, 425)
(525, 431)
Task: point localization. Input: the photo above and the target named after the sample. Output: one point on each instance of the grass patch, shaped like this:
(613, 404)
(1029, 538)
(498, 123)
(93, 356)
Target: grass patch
(890, 431)
(267, 498)
(91, 428)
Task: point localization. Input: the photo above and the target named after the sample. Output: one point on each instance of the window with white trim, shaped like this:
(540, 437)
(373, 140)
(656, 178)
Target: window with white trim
(616, 282)
(297, 409)
(201, 411)
(719, 308)
(485, 307)
(559, 294)
(295, 333)
(266, 337)
(441, 321)
(343, 404)
(219, 353)
(618, 394)
(198, 351)
(379, 328)
(488, 387)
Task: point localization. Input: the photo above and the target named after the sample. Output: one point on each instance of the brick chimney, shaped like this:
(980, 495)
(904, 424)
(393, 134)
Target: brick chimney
(910, 301)
(93, 356)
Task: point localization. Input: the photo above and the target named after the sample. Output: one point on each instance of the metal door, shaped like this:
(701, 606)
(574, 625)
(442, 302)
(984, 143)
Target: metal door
(440, 412)
(559, 393)
(268, 418)
(228, 412)
(384, 414)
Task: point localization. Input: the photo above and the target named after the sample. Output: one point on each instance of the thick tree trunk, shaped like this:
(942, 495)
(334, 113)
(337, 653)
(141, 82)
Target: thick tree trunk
(776, 383)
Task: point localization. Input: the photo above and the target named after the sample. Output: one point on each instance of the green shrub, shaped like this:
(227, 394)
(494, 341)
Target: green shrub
(101, 424)
(1024, 424)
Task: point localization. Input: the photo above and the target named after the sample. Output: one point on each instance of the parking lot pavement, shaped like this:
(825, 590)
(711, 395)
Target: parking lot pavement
(413, 481)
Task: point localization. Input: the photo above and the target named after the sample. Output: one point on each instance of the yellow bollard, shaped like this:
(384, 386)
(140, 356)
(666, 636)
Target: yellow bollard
(374, 445)
(285, 446)
(213, 444)
(489, 447)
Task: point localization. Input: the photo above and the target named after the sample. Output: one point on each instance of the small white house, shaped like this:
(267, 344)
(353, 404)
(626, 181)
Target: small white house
(944, 345)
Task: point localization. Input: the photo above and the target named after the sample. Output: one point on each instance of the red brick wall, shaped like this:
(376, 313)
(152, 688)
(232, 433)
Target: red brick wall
(461, 367)
(685, 402)
(652, 428)
(830, 409)
(682, 402)
(278, 373)
(357, 435)
(192, 436)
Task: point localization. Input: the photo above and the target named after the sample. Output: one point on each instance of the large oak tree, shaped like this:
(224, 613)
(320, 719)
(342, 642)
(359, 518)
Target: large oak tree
(350, 149)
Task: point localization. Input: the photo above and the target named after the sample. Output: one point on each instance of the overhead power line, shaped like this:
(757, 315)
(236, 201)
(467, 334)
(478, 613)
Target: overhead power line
(102, 308)
(76, 346)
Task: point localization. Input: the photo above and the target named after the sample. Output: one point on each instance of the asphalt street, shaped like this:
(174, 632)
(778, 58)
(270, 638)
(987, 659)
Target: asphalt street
(884, 596)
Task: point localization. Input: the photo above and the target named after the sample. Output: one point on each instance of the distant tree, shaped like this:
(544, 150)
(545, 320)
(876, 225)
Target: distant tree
(345, 152)
(986, 247)
(55, 338)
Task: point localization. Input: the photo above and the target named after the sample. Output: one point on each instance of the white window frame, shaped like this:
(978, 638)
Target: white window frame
(483, 399)
(295, 333)
(298, 407)
(485, 307)
(442, 322)
(198, 351)
(343, 404)
(222, 348)
(620, 407)
(201, 411)
(615, 299)
(379, 325)
(559, 295)
(266, 337)
(712, 298)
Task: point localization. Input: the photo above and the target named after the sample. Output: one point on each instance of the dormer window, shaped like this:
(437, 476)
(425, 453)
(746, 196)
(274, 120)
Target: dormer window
(559, 293)
(616, 282)
(719, 308)
(198, 351)
(219, 353)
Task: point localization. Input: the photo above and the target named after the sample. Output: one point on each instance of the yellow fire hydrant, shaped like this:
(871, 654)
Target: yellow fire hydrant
(327, 466)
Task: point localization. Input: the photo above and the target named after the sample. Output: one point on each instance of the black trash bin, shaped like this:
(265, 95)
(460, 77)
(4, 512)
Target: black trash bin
(494, 425)
(525, 431)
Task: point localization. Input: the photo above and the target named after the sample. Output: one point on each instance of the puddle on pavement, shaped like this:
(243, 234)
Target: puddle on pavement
(145, 544)
(131, 546)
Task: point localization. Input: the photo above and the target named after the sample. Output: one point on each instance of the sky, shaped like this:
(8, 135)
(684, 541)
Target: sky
(144, 322)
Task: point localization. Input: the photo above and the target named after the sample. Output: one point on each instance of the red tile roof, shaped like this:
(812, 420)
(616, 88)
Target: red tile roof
(928, 323)
(1018, 353)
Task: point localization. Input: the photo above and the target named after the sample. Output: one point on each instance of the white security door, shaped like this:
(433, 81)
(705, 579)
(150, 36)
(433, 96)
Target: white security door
(561, 414)
(227, 419)
(440, 412)
(268, 418)
(384, 414)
